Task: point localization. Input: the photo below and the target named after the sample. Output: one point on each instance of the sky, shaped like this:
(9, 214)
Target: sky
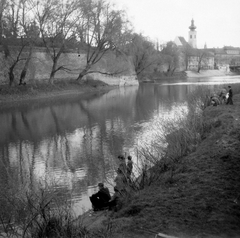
(217, 21)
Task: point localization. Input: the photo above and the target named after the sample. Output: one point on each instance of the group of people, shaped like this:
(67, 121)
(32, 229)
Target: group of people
(102, 199)
(223, 98)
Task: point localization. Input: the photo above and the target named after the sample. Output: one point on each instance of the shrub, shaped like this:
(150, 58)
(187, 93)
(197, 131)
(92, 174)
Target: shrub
(174, 138)
(40, 213)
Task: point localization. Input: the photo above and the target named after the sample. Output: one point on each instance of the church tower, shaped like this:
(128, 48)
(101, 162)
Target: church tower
(192, 35)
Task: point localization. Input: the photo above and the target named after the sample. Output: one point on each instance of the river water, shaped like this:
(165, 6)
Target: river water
(72, 144)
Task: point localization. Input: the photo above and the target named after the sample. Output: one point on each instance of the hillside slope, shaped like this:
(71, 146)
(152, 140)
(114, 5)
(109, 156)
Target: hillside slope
(202, 199)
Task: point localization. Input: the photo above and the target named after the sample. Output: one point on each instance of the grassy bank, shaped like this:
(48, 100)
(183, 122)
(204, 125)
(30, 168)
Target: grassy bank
(193, 191)
(20, 94)
(198, 194)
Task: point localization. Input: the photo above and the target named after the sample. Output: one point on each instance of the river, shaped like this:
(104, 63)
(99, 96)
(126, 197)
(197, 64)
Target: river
(71, 145)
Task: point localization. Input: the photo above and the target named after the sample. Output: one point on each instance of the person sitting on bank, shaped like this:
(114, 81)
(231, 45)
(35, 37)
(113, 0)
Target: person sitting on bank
(100, 199)
(114, 202)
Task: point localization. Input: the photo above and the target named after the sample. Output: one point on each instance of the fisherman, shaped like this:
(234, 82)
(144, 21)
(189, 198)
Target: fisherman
(230, 95)
(129, 166)
(121, 181)
(222, 95)
(122, 164)
(100, 199)
(215, 100)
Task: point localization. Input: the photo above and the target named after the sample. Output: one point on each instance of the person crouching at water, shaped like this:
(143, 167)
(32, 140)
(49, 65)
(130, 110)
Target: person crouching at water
(114, 202)
(100, 199)
(215, 100)
(222, 96)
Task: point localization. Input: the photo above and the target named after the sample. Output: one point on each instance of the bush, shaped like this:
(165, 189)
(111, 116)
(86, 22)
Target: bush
(40, 213)
(173, 138)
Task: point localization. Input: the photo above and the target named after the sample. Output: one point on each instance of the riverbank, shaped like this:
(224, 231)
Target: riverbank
(31, 93)
(201, 198)
(207, 73)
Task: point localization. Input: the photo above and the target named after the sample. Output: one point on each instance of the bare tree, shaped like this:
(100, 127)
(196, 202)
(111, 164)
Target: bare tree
(187, 51)
(14, 60)
(99, 29)
(143, 53)
(201, 57)
(56, 20)
(3, 7)
(10, 23)
(30, 33)
(171, 57)
(13, 36)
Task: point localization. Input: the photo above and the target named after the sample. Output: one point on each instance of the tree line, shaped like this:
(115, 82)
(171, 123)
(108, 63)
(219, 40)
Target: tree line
(94, 27)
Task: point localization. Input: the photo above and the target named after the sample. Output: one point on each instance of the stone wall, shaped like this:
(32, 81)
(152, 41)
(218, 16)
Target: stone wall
(41, 63)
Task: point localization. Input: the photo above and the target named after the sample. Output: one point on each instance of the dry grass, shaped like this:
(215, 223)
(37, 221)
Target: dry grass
(38, 213)
(193, 190)
(197, 191)
(30, 93)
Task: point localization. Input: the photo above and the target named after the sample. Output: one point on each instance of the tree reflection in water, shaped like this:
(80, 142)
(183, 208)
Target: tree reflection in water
(71, 146)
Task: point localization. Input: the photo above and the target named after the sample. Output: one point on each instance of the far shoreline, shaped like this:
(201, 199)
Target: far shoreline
(208, 73)
(28, 96)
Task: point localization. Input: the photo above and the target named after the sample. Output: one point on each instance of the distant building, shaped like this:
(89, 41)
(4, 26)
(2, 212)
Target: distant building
(191, 57)
(200, 58)
(180, 41)
(226, 56)
(192, 35)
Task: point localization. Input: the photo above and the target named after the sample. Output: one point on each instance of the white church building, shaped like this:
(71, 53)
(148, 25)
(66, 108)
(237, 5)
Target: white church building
(194, 58)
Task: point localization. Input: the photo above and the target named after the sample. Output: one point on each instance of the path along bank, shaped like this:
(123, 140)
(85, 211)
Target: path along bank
(200, 199)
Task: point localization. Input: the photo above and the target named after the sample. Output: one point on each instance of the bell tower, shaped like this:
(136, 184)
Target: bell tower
(192, 35)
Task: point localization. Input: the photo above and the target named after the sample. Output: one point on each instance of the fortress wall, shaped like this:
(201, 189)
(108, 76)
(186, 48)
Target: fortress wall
(40, 65)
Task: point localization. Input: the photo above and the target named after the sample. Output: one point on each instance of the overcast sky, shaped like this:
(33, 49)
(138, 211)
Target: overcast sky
(217, 21)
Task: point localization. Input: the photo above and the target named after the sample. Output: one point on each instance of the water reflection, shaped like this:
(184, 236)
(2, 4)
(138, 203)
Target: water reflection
(74, 145)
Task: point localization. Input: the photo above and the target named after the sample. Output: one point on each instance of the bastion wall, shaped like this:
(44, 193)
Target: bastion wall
(40, 65)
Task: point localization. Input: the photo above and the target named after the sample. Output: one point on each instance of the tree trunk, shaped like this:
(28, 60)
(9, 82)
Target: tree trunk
(51, 79)
(186, 63)
(25, 68)
(1, 28)
(53, 72)
(84, 72)
(172, 71)
(199, 68)
(81, 75)
(11, 75)
(22, 76)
